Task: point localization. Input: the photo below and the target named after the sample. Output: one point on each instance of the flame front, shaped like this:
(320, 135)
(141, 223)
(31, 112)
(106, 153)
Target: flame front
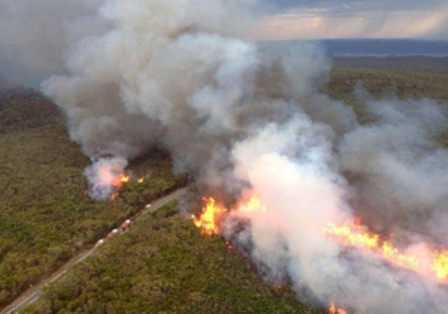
(353, 234)
(211, 213)
(333, 310)
(209, 218)
(440, 263)
(252, 205)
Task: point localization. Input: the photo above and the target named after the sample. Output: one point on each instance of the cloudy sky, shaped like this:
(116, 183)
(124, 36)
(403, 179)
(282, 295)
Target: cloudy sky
(355, 19)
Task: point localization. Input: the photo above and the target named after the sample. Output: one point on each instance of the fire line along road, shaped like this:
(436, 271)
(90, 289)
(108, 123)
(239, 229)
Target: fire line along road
(33, 294)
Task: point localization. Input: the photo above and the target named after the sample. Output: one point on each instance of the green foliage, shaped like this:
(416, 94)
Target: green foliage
(409, 63)
(387, 78)
(164, 265)
(414, 77)
(45, 218)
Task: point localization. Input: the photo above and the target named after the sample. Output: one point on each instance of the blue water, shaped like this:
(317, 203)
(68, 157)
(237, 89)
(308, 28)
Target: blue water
(385, 47)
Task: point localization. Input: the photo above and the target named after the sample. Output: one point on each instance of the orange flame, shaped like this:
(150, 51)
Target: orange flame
(120, 180)
(277, 288)
(440, 263)
(333, 310)
(355, 235)
(208, 219)
(124, 178)
(118, 183)
(352, 234)
(392, 254)
(252, 205)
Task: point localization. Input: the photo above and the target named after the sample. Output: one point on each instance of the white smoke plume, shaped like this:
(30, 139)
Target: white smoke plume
(247, 117)
(104, 177)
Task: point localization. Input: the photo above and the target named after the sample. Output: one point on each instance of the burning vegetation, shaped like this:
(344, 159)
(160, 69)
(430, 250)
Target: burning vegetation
(431, 263)
(209, 217)
(333, 310)
(106, 177)
(421, 259)
(235, 113)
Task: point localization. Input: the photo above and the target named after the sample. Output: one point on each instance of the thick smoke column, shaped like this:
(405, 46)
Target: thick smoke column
(247, 117)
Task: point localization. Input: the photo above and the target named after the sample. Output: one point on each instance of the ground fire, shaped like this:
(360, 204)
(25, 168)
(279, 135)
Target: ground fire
(209, 218)
(333, 310)
(118, 183)
(107, 177)
(423, 260)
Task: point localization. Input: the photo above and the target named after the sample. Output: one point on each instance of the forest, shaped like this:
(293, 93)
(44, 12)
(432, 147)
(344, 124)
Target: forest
(162, 264)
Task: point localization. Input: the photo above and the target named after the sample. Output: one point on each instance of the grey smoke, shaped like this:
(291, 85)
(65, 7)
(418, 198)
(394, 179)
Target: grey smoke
(247, 118)
(401, 167)
(34, 35)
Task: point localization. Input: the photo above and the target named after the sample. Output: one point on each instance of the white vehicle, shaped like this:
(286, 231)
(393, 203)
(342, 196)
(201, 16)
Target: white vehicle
(148, 206)
(125, 225)
(112, 233)
(99, 243)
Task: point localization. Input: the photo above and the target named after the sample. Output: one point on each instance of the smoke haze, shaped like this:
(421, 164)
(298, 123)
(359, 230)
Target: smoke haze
(245, 117)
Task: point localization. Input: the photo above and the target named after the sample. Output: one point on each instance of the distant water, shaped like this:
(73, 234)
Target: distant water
(385, 48)
(389, 55)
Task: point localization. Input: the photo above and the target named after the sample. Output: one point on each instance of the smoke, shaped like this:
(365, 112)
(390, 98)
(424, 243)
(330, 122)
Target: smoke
(104, 177)
(35, 33)
(400, 166)
(245, 117)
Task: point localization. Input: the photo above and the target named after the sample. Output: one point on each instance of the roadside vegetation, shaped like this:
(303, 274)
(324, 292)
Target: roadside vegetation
(45, 217)
(162, 264)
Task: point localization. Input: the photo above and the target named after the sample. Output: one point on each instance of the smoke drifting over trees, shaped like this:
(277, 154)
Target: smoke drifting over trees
(243, 116)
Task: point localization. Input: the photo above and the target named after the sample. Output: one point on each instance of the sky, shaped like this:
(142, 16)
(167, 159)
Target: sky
(311, 19)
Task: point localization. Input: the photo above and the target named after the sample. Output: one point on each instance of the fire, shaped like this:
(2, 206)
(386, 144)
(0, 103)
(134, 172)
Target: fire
(208, 220)
(333, 310)
(392, 254)
(211, 213)
(277, 288)
(114, 196)
(254, 204)
(119, 181)
(123, 178)
(354, 234)
(440, 263)
(106, 176)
